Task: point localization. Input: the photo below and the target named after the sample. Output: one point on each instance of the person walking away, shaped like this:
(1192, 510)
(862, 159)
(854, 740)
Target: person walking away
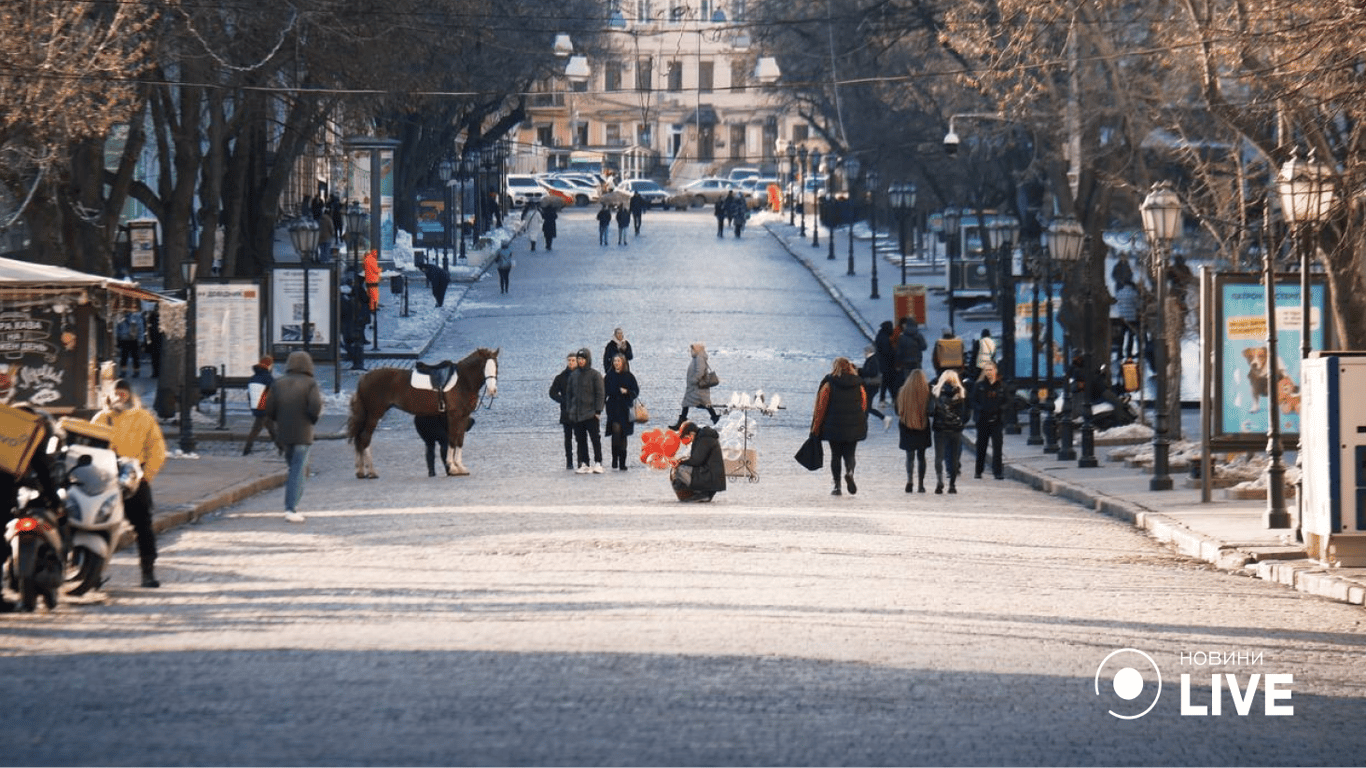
(871, 373)
(354, 318)
(719, 211)
(983, 353)
(586, 396)
(326, 234)
(618, 345)
(739, 213)
(702, 474)
(549, 215)
(886, 358)
(840, 418)
(1126, 307)
(295, 403)
(504, 264)
(604, 221)
(910, 349)
(914, 406)
(257, 387)
(623, 223)
(638, 206)
(559, 392)
(950, 414)
(1122, 273)
(989, 402)
(532, 223)
(694, 393)
(621, 391)
(137, 435)
(130, 333)
(948, 352)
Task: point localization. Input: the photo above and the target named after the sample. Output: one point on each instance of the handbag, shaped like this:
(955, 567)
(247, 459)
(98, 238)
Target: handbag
(811, 455)
(709, 380)
(640, 413)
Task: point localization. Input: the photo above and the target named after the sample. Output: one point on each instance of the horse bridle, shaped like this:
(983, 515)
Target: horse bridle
(484, 388)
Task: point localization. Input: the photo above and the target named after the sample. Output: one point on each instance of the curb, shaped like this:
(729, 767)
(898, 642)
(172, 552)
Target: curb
(835, 293)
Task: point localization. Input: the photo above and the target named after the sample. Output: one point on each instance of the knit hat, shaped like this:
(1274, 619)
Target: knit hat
(583, 353)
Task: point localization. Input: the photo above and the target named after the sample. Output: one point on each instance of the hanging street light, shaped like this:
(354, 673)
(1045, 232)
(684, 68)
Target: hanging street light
(1162, 222)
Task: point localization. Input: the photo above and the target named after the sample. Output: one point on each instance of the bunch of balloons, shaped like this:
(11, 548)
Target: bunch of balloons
(658, 447)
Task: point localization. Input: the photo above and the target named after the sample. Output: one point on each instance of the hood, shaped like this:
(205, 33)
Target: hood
(299, 362)
(846, 380)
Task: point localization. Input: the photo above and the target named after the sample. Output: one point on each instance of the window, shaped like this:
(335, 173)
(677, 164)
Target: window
(737, 10)
(545, 135)
(612, 73)
(800, 133)
(705, 76)
(737, 142)
(613, 135)
(644, 73)
(739, 74)
(642, 11)
(675, 76)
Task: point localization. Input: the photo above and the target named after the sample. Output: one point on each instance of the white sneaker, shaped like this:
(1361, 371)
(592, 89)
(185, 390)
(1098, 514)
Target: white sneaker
(597, 468)
(294, 517)
(582, 470)
(886, 423)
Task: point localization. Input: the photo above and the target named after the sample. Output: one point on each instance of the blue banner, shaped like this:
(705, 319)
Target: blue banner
(1028, 316)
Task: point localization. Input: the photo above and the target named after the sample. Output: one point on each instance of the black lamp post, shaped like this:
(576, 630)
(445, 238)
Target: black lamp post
(1066, 240)
(951, 223)
(188, 268)
(816, 199)
(1003, 233)
(792, 185)
(355, 224)
(873, 179)
(902, 198)
(304, 235)
(1035, 425)
(803, 158)
(446, 170)
(1162, 222)
(1087, 459)
(851, 177)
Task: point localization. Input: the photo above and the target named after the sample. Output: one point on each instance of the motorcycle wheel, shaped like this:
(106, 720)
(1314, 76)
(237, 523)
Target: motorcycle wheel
(88, 568)
(28, 594)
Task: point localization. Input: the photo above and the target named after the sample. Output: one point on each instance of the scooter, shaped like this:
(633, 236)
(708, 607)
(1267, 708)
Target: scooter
(97, 483)
(36, 535)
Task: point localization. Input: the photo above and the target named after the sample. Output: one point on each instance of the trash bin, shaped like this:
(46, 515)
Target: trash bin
(396, 285)
(208, 381)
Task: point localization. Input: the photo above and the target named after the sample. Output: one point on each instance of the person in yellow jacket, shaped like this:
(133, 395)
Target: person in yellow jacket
(372, 278)
(137, 435)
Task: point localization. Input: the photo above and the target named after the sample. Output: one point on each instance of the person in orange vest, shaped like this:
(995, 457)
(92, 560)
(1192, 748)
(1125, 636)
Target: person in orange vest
(372, 278)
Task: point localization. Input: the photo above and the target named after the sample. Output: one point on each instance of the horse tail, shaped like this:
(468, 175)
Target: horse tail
(356, 420)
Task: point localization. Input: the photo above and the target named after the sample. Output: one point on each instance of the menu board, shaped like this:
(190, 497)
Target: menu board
(38, 356)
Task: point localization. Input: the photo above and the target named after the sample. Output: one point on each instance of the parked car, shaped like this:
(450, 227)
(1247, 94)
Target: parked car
(655, 196)
(738, 175)
(584, 186)
(567, 191)
(812, 189)
(756, 191)
(703, 192)
(523, 189)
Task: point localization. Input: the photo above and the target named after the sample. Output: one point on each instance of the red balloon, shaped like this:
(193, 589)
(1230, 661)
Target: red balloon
(670, 443)
(660, 462)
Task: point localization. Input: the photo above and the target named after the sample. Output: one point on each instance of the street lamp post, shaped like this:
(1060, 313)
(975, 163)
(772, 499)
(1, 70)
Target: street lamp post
(1003, 234)
(1035, 425)
(446, 170)
(1162, 222)
(873, 179)
(851, 176)
(355, 223)
(803, 158)
(188, 268)
(1087, 459)
(902, 197)
(1066, 239)
(792, 185)
(304, 236)
(951, 223)
(815, 198)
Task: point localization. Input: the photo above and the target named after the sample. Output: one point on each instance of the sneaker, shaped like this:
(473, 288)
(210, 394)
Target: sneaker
(886, 423)
(849, 481)
(597, 468)
(582, 470)
(294, 517)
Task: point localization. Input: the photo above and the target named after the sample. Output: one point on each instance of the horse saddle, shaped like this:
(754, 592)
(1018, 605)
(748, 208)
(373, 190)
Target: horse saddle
(437, 377)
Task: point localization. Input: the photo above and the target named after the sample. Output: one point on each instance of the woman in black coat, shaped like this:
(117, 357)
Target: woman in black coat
(622, 390)
(841, 419)
(915, 407)
(950, 416)
(706, 466)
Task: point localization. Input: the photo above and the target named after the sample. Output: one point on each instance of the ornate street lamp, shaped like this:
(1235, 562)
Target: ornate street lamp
(355, 224)
(1050, 425)
(1034, 265)
(1003, 233)
(792, 185)
(1066, 239)
(902, 198)
(304, 236)
(803, 158)
(1162, 223)
(951, 223)
(816, 212)
(188, 269)
(873, 179)
(446, 170)
(851, 176)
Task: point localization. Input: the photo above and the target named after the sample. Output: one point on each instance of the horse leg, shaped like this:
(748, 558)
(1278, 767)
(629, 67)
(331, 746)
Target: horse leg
(365, 461)
(455, 433)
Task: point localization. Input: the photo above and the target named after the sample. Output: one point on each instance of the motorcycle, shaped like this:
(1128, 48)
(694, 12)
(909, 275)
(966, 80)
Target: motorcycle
(97, 483)
(36, 534)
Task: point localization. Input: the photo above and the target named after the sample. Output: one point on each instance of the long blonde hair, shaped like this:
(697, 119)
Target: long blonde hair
(912, 401)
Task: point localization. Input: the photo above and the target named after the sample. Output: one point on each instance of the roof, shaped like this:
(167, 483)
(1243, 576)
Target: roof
(15, 274)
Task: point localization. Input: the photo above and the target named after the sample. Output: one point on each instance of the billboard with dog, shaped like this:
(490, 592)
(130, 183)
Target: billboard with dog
(1245, 376)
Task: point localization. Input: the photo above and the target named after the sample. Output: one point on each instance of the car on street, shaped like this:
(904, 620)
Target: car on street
(738, 175)
(703, 192)
(567, 191)
(523, 189)
(756, 191)
(655, 196)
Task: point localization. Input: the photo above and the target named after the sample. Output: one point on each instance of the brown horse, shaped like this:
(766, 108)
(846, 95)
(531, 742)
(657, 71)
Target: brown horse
(385, 388)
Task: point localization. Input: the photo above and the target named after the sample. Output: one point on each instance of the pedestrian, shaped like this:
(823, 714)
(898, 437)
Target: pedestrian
(695, 391)
(372, 276)
(871, 374)
(950, 414)
(702, 473)
(618, 345)
(295, 403)
(886, 358)
(559, 389)
(840, 418)
(326, 234)
(621, 390)
(532, 223)
(983, 352)
(604, 221)
(257, 388)
(137, 435)
(914, 406)
(948, 352)
(638, 206)
(355, 316)
(586, 399)
(130, 333)
(739, 214)
(549, 215)
(335, 212)
(989, 400)
(623, 223)
(1126, 307)
(504, 263)
(719, 211)
(910, 349)
(1122, 273)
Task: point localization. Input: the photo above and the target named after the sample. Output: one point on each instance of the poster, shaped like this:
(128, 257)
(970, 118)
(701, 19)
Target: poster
(228, 326)
(1027, 316)
(1243, 378)
(301, 298)
(142, 238)
(39, 362)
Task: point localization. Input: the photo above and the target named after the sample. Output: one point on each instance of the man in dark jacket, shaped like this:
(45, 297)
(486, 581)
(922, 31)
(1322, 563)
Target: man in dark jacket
(585, 398)
(558, 389)
(910, 349)
(886, 358)
(638, 206)
(707, 467)
(989, 401)
(549, 215)
(294, 402)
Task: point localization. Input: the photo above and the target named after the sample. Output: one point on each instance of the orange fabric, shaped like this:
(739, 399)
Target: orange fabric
(372, 278)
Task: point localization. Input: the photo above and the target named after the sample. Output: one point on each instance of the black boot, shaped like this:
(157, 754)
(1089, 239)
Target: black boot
(149, 579)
